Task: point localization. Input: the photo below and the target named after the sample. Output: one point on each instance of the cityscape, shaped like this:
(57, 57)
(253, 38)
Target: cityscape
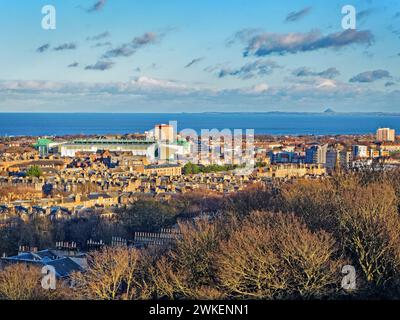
(149, 154)
(64, 179)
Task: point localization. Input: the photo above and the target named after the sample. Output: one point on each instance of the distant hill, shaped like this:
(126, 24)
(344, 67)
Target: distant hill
(329, 110)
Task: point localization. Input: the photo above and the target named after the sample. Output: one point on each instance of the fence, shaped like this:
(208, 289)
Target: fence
(66, 246)
(165, 237)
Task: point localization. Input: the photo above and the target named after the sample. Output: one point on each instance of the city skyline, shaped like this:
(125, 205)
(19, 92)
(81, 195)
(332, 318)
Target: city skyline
(192, 56)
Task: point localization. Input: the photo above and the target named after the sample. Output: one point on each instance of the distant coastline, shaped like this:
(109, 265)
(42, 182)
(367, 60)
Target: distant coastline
(304, 113)
(372, 113)
(271, 123)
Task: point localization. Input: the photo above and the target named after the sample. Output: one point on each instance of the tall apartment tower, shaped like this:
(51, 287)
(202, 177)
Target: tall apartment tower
(164, 133)
(317, 154)
(385, 135)
(166, 141)
(332, 159)
(346, 156)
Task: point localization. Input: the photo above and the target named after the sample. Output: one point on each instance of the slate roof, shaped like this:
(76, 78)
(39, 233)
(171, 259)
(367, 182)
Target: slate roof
(64, 266)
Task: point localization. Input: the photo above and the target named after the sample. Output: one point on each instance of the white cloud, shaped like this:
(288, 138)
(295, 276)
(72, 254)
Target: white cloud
(148, 82)
(258, 88)
(147, 94)
(327, 84)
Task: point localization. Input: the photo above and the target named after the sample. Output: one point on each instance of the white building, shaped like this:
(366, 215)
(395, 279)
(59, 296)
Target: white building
(137, 147)
(360, 151)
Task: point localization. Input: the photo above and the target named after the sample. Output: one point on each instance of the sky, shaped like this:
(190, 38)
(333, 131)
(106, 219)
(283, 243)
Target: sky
(199, 56)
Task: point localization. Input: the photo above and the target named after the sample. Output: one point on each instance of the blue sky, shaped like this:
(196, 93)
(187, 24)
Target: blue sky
(199, 55)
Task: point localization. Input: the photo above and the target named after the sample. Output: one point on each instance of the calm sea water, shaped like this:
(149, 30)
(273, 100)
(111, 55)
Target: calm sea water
(37, 124)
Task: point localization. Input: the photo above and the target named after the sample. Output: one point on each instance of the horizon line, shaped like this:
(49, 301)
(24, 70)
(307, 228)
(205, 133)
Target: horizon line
(204, 112)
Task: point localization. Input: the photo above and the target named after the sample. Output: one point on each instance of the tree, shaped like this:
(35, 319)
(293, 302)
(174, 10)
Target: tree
(111, 275)
(19, 282)
(47, 189)
(361, 212)
(23, 282)
(275, 256)
(188, 270)
(37, 232)
(34, 171)
(369, 227)
(147, 215)
(256, 197)
(190, 168)
(314, 201)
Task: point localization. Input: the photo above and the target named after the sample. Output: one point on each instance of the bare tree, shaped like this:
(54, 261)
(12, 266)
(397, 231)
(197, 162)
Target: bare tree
(23, 282)
(188, 271)
(361, 212)
(369, 229)
(110, 276)
(276, 256)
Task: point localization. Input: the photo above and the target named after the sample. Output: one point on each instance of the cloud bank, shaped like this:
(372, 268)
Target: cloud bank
(250, 70)
(329, 73)
(371, 76)
(128, 49)
(100, 66)
(66, 46)
(267, 43)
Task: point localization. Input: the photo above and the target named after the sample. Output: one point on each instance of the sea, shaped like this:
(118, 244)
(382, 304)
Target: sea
(271, 123)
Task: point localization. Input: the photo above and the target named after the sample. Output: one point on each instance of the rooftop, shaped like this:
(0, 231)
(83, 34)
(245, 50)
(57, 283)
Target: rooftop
(43, 142)
(64, 266)
(112, 141)
(159, 166)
